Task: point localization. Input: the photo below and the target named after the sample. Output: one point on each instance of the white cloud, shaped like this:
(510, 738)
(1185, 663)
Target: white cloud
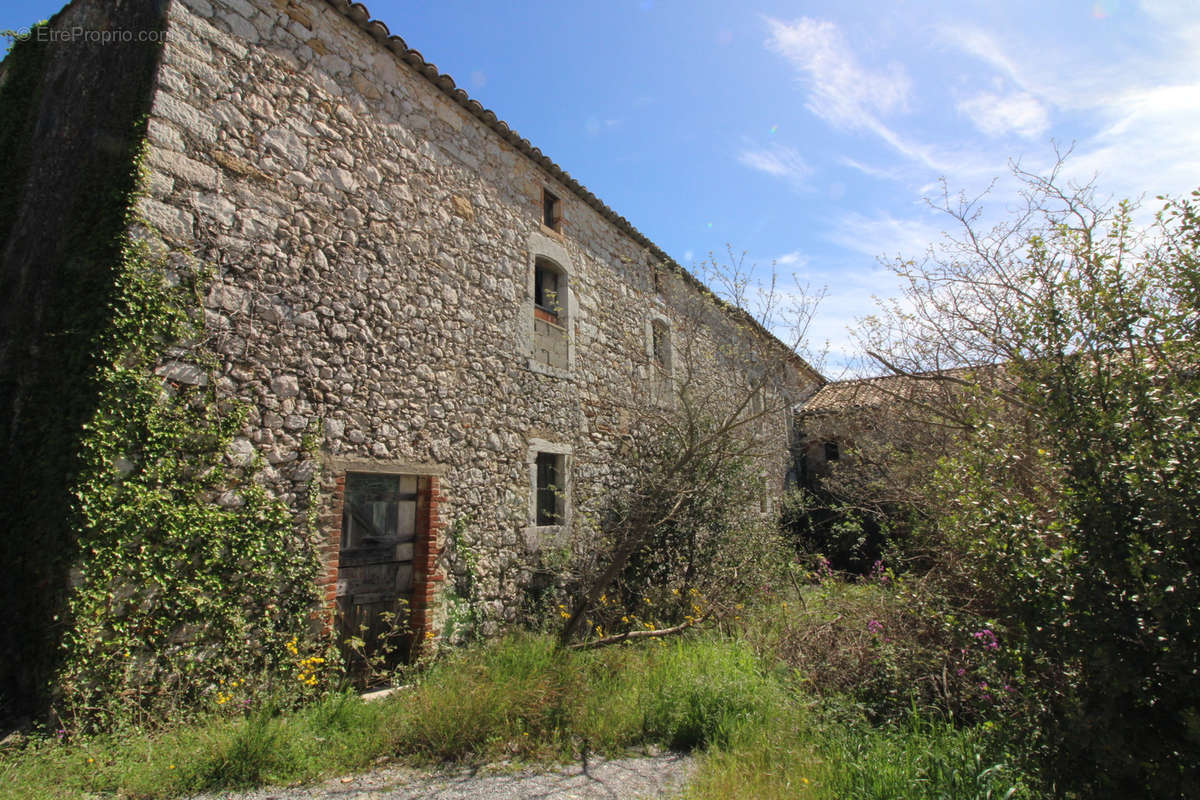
(1136, 112)
(884, 236)
(842, 91)
(793, 259)
(883, 173)
(996, 115)
(983, 46)
(778, 161)
(1151, 144)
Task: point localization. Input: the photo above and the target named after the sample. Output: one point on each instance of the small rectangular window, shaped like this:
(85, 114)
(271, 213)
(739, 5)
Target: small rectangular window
(550, 210)
(832, 453)
(549, 489)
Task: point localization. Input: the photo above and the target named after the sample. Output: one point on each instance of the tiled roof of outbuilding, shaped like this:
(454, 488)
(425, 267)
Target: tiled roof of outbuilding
(881, 391)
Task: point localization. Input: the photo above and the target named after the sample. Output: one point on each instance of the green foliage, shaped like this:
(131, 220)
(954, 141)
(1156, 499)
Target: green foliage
(830, 751)
(1072, 501)
(919, 757)
(173, 594)
(852, 536)
(464, 608)
(684, 539)
(522, 697)
(888, 643)
(247, 755)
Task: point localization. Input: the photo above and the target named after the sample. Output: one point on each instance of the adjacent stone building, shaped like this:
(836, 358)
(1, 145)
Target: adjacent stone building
(425, 314)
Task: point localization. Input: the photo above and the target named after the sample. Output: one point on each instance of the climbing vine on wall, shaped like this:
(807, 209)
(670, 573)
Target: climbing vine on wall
(147, 575)
(174, 594)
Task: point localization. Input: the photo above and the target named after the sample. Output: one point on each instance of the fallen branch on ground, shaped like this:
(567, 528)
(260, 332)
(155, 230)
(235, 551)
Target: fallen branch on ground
(630, 635)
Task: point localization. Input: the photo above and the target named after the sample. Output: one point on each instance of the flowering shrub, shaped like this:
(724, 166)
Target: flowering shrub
(888, 645)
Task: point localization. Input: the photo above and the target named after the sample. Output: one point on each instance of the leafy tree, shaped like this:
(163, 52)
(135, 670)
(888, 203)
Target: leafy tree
(1071, 494)
(690, 527)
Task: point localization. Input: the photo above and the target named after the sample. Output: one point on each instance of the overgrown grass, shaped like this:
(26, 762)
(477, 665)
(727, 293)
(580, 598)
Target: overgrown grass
(761, 730)
(835, 754)
(517, 698)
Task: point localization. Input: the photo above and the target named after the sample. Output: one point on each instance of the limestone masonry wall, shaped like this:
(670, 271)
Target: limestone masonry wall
(374, 248)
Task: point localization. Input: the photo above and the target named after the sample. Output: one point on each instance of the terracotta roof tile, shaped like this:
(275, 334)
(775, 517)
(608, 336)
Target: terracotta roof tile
(882, 391)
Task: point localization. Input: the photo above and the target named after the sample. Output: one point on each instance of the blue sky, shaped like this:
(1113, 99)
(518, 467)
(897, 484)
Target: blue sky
(806, 133)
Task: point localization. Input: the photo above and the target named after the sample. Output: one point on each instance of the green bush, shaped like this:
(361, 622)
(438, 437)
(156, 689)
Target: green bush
(851, 535)
(887, 642)
(1070, 501)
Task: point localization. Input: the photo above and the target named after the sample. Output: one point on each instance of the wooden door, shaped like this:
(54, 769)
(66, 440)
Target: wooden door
(381, 519)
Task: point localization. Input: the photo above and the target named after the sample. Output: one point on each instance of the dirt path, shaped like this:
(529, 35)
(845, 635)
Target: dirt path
(659, 776)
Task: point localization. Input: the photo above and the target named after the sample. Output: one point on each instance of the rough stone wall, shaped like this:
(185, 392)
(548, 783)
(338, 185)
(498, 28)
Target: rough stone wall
(373, 246)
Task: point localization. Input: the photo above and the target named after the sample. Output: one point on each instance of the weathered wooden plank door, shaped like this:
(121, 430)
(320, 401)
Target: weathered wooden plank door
(381, 519)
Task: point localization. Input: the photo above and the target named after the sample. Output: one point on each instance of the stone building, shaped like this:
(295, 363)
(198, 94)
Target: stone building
(397, 275)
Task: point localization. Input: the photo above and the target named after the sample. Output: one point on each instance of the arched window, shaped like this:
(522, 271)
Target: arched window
(550, 345)
(548, 309)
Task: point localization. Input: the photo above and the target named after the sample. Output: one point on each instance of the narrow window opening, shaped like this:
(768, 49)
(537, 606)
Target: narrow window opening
(832, 453)
(550, 210)
(660, 344)
(550, 344)
(546, 289)
(550, 487)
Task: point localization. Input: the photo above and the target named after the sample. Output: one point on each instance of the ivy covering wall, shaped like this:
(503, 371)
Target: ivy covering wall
(145, 573)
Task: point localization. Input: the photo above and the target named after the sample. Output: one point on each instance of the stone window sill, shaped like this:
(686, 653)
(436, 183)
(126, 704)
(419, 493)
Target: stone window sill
(549, 371)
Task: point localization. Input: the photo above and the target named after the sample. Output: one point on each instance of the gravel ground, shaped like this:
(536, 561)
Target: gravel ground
(656, 776)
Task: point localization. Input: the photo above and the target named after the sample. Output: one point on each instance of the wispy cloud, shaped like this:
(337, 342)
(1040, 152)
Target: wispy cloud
(885, 173)
(1142, 111)
(983, 46)
(842, 91)
(999, 115)
(778, 161)
(1152, 144)
(794, 259)
(884, 235)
